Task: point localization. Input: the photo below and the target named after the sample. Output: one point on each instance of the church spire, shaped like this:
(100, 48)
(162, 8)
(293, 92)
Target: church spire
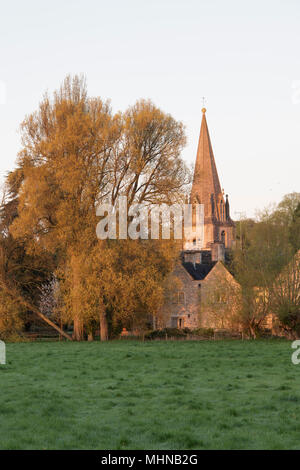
(219, 228)
(206, 187)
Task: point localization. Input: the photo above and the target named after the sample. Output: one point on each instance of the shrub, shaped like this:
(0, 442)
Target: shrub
(179, 333)
(204, 332)
(167, 332)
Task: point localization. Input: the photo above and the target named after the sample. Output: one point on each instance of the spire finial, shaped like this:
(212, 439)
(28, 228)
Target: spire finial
(203, 104)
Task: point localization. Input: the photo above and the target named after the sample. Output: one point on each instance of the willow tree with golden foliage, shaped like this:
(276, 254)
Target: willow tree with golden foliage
(77, 154)
(121, 283)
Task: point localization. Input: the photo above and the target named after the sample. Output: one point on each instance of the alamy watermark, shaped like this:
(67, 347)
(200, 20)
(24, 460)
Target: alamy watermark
(141, 221)
(295, 358)
(2, 353)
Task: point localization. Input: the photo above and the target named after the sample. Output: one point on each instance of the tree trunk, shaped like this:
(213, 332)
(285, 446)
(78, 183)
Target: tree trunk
(90, 337)
(78, 329)
(252, 331)
(76, 300)
(43, 317)
(103, 327)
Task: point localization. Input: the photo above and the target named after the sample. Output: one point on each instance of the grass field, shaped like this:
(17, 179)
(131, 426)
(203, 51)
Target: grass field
(152, 395)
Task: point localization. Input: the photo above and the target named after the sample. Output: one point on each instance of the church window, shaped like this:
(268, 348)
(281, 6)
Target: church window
(181, 297)
(178, 298)
(223, 236)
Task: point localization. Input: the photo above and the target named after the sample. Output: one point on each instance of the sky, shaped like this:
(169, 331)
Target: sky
(242, 56)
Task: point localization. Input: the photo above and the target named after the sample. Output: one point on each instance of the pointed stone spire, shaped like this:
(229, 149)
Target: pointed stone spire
(219, 228)
(206, 187)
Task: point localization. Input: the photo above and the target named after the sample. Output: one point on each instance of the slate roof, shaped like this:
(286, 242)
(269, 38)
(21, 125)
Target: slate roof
(199, 271)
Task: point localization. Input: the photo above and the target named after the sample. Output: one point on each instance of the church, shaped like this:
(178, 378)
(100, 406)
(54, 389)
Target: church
(201, 283)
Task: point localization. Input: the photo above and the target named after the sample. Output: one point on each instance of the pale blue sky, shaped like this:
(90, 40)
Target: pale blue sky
(243, 56)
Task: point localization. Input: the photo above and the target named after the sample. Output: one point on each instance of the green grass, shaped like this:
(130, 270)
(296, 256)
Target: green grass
(152, 395)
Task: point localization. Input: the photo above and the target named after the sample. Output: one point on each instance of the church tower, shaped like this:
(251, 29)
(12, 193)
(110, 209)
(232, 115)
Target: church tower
(219, 228)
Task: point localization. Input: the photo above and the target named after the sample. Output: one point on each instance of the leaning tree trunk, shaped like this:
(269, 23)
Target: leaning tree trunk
(103, 327)
(13, 292)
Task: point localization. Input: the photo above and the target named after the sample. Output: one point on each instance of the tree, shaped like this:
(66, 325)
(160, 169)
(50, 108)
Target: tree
(287, 207)
(285, 297)
(294, 229)
(120, 281)
(21, 273)
(49, 302)
(11, 316)
(257, 264)
(76, 154)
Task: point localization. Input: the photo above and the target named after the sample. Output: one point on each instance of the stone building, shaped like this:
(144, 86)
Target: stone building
(202, 285)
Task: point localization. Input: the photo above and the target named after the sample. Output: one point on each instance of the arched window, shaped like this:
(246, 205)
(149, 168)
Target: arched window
(223, 236)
